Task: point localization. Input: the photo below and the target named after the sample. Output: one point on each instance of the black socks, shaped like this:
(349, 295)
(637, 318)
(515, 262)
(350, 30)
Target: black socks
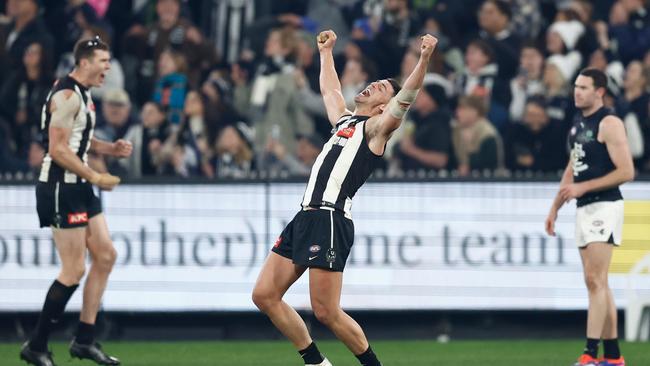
(55, 302)
(368, 358)
(85, 333)
(611, 348)
(311, 355)
(591, 348)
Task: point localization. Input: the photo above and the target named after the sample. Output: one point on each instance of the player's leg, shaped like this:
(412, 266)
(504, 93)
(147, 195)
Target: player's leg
(275, 278)
(596, 257)
(612, 352)
(103, 255)
(325, 293)
(71, 246)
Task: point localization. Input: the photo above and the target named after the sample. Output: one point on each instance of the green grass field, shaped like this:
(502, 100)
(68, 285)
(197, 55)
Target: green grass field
(392, 353)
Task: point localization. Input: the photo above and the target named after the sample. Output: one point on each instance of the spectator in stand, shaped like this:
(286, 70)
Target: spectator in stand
(300, 162)
(537, 143)
(234, 157)
(558, 73)
(22, 96)
(481, 79)
(477, 144)
(170, 89)
(632, 107)
(428, 146)
(398, 25)
(147, 139)
(529, 81)
(633, 36)
(274, 107)
(26, 27)
(494, 19)
(143, 47)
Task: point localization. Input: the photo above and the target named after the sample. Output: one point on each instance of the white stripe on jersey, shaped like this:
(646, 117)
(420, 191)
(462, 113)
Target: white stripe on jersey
(343, 163)
(306, 199)
(45, 167)
(76, 136)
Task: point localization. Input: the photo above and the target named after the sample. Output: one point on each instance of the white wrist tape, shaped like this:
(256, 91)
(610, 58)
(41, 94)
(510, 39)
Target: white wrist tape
(400, 103)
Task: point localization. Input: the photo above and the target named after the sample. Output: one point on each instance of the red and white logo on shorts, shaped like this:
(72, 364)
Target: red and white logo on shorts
(278, 242)
(78, 218)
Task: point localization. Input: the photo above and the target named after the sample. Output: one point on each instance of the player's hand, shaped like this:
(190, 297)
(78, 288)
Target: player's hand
(105, 181)
(550, 223)
(326, 40)
(122, 148)
(429, 43)
(571, 191)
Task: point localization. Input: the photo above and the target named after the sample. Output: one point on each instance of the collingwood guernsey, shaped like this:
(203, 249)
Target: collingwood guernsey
(342, 167)
(82, 132)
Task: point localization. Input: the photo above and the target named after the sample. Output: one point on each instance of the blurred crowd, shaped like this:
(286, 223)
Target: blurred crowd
(229, 88)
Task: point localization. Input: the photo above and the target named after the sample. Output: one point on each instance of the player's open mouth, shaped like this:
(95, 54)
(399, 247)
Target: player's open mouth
(366, 92)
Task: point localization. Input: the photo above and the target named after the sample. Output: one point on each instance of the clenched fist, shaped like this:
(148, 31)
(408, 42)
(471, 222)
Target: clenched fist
(326, 40)
(105, 181)
(122, 148)
(429, 43)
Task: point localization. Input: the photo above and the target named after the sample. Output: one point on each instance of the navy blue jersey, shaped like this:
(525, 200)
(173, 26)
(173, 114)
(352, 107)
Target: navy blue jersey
(589, 157)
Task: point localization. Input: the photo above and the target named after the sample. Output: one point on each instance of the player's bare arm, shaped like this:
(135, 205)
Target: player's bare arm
(120, 148)
(64, 108)
(612, 133)
(330, 86)
(559, 201)
(392, 116)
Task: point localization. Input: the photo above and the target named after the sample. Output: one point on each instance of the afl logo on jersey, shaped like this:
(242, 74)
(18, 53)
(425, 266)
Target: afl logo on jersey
(573, 131)
(314, 248)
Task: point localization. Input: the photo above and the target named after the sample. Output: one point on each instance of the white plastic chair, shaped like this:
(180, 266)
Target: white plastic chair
(637, 310)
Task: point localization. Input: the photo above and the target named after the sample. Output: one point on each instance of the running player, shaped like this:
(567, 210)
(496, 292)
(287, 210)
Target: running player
(600, 162)
(65, 201)
(321, 234)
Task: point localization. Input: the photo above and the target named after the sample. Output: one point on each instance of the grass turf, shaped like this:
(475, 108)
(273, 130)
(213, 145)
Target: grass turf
(391, 353)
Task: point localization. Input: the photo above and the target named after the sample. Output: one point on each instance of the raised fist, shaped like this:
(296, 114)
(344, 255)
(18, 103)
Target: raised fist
(326, 40)
(429, 43)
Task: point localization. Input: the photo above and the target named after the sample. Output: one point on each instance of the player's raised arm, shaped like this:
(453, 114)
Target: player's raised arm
(330, 86)
(391, 118)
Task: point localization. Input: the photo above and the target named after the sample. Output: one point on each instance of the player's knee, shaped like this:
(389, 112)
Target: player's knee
(106, 259)
(595, 282)
(73, 274)
(324, 313)
(263, 299)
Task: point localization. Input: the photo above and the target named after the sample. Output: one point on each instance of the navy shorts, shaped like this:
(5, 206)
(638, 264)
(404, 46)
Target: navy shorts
(317, 238)
(64, 205)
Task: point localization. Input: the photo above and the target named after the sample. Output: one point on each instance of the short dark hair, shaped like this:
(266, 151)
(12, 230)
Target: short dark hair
(475, 102)
(485, 47)
(85, 48)
(395, 85)
(503, 7)
(599, 77)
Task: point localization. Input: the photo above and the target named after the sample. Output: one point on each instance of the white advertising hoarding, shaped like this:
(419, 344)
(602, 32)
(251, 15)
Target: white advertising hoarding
(426, 245)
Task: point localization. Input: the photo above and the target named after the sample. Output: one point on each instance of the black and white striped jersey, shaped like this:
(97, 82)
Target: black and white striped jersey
(344, 164)
(82, 132)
